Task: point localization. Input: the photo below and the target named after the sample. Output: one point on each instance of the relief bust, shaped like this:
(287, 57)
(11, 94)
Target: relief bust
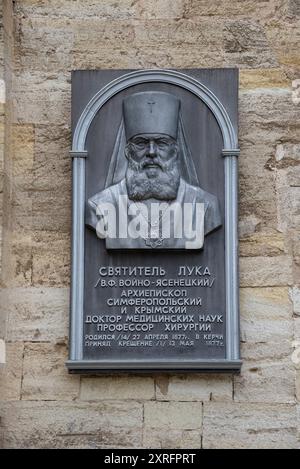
(156, 204)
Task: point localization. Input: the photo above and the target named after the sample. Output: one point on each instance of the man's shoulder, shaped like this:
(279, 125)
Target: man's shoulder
(108, 195)
(212, 210)
(200, 195)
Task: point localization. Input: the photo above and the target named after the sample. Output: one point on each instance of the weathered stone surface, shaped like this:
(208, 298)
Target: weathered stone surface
(287, 153)
(265, 271)
(51, 210)
(172, 439)
(45, 376)
(173, 415)
(298, 386)
(36, 314)
(295, 356)
(266, 115)
(249, 426)
(72, 425)
(1, 436)
(266, 118)
(57, 38)
(1, 133)
(265, 339)
(1, 43)
(147, 9)
(116, 387)
(194, 388)
(248, 225)
(256, 188)
(295, 297)
(67, 8)
(51, 258)
(102, 31)
(293, 8)
(23, 138)
(18, 257)
(51, 199)
(296, 248)
(2, 351)
(297, 328)
(177, 56)
(11, 372)
(262, 244)
(296, 252)
(266, 323)
(287, 196)
(245, 43)
(21, 225)
(53, 96)
(105, 57)
(284, 37)
(157, 43)
(229, 8)
(272, 381)
(205, 37)
(294, 175)
(162, 31)
(51, 156)
(263, 78)
(298, 419)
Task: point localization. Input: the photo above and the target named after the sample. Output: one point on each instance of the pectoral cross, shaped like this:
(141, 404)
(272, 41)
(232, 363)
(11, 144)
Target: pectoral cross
(154, 243)
(151, 103)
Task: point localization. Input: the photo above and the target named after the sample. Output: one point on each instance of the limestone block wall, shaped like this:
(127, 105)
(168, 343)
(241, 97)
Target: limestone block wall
(2, 112)
(41, 41)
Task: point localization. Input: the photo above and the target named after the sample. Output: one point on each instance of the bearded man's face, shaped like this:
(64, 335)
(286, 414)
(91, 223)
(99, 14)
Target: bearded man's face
(153, 170)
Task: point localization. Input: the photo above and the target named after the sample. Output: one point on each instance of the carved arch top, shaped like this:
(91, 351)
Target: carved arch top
(147, 76)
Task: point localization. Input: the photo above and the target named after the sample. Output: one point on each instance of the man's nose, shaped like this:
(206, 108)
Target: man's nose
(152, 148)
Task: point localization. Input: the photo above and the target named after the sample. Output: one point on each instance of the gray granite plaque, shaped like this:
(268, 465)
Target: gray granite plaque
(154, 252)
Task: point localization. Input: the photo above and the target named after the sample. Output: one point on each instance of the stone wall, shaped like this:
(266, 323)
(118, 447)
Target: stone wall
(43, 406)
(2, 114)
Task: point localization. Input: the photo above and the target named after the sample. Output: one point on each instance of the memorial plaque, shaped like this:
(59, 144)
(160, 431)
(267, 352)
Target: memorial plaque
(154, 251)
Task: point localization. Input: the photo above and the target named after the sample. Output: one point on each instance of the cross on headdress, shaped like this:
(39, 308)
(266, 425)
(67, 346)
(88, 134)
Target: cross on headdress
(151, 104)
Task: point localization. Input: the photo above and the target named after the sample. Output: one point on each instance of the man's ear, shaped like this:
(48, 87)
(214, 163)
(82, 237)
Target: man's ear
(176, 149)
(127, 151)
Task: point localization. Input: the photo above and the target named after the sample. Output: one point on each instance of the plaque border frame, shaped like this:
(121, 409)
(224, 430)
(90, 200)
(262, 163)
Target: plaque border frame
(230, 151)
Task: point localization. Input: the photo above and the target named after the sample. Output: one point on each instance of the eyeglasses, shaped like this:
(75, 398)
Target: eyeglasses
(143, 144)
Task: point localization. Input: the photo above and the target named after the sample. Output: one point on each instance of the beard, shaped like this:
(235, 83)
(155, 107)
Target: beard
(160, 183)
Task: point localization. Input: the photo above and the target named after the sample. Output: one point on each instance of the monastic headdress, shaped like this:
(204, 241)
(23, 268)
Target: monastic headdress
(150, 112)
